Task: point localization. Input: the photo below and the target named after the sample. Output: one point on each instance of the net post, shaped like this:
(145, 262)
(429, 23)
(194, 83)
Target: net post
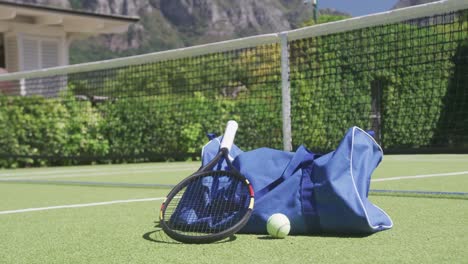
(285, 93)
(22, 87)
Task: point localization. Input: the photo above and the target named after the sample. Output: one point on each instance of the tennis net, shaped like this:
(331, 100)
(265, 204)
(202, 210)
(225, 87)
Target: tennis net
(402, 74)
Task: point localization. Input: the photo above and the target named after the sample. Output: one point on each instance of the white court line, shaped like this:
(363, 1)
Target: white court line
(88, 170)
(409, 159)
(421, 176)
(86, 174)
(79, 205)
(161, 198)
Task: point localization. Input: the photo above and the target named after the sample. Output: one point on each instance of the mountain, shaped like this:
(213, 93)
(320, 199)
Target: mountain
(169, 24)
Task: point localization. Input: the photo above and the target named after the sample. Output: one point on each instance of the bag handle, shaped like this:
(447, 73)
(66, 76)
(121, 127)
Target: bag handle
(301, 155)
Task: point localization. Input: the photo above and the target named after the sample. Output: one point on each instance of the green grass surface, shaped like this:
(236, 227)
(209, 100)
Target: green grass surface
(406, 165)
(426, 230)
(457, 183)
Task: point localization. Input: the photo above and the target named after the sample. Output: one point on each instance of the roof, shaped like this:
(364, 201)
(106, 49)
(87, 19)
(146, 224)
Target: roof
(14, 16)
(64, 11)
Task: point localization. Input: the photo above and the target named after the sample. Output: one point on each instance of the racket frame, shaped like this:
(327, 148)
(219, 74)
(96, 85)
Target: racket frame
(207, 170)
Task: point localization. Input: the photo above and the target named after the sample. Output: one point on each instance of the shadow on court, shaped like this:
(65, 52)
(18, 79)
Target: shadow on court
(336, 235)
(158, 236)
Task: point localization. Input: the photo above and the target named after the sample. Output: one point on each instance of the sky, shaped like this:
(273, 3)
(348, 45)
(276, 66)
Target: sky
(358, 7)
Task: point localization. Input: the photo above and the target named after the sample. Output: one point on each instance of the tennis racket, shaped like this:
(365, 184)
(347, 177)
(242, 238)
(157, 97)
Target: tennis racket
(211, 204)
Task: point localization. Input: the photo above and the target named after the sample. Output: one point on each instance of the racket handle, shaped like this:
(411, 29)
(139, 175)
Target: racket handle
(229, 134)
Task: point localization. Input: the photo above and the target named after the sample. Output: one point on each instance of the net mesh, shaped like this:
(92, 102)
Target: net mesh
(155, 111)
(407, 81)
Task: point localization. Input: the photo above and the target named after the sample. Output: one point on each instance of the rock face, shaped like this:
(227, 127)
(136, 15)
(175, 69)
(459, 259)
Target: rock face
(194, 21)
(188, 22)
(167, 24)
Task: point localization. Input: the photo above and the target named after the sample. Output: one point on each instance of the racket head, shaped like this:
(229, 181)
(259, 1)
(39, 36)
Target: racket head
(207, 206)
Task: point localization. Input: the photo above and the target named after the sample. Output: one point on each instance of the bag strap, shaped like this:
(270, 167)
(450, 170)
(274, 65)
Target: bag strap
(301, 155)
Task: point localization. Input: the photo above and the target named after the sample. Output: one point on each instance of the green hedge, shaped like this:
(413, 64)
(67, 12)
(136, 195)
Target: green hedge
(333, 78)
(47, 129)
(156, 128)
(39, 132)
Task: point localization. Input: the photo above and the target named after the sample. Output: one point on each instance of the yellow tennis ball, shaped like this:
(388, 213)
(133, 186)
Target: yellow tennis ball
(278, 225)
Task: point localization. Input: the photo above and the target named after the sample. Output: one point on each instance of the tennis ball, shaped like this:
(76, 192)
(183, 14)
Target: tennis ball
(278, 225)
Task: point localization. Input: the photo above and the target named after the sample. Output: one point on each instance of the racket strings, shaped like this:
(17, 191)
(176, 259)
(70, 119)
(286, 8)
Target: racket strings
(208, 204)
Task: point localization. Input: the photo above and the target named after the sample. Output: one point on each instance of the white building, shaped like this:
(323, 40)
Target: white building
(35, 37)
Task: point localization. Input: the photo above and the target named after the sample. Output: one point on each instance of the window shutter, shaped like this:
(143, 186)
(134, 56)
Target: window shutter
(39, 53)
(11, 54)
(30, 54)
(50, 53)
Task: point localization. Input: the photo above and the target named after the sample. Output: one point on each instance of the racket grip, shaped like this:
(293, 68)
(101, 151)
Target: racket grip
(229, 134)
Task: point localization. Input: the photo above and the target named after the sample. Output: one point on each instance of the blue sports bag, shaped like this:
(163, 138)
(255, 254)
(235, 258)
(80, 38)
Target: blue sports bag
(318, 193)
